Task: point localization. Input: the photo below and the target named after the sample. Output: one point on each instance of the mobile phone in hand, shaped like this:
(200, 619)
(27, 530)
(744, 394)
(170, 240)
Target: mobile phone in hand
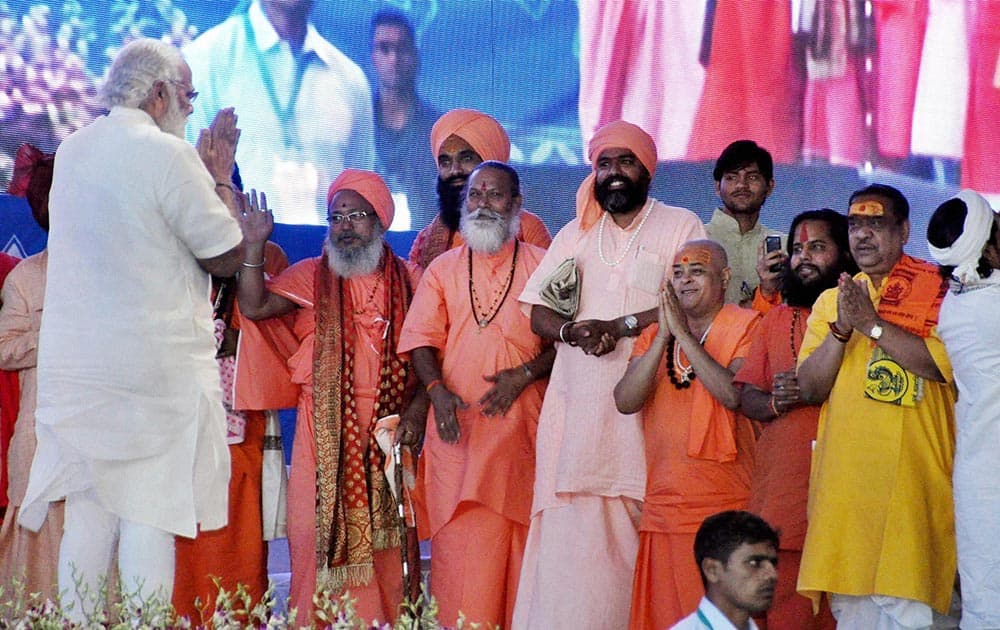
(772, 243)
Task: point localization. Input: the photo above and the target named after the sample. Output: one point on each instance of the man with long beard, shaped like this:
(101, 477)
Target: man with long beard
(590, 473)
(461, 140)
(349, 306)
(485, 370)
(129, 422)
(818, 252)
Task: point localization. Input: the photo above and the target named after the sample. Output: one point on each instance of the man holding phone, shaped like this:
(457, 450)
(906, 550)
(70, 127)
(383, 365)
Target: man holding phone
(744, 178)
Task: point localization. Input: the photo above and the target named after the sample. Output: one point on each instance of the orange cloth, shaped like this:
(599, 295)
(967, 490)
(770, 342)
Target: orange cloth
(617, 134)
(235, 554)
(918, 283)
(296, 284)
(681, 490)
(763, 304)
(261, 380)
(436, 238)
(369, 185)
(476, 564)
(492, 468)
(493, 463)
(486, 136)
(667, 584)
(789, 610)
(779, 489)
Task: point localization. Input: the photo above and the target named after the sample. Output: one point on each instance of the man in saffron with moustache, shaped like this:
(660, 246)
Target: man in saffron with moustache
(881, 535)
(485, 370)
(590, 475)
(349, 306)
(461, 140)
(818, 253)
(699, 447)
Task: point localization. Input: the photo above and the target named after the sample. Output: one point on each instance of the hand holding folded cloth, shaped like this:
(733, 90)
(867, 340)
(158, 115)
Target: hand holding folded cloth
(561, 289)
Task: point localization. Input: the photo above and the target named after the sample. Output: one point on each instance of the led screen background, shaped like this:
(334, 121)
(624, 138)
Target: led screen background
(515, 60)
(518, 60)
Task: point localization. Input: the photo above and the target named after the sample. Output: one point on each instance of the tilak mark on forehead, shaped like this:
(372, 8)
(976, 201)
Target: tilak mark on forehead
(693, 255)
(803, 232)
(869, 208)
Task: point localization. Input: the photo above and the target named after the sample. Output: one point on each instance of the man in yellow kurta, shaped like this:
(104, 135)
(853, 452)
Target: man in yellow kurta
(881, 539)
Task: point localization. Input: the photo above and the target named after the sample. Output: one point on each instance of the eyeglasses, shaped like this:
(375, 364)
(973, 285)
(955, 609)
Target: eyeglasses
(192, 95)
(352, 217)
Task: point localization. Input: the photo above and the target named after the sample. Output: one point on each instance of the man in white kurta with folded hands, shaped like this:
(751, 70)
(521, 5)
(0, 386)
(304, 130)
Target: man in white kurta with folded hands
(130, 423)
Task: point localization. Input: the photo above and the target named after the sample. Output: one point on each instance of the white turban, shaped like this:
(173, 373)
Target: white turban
(965, 252)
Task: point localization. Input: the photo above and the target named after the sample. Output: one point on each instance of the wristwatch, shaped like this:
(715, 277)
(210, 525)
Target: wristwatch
(876, 332)
(631, 325)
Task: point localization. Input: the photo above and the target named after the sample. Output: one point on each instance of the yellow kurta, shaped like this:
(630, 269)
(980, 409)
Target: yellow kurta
(881, 519)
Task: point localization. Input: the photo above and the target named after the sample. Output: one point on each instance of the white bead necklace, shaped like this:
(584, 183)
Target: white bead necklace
(631, 239)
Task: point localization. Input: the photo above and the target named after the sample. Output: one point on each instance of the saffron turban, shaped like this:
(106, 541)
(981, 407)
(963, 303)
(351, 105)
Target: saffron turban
(965, 252)
(370, 186)
(484, 134)
(614, 135)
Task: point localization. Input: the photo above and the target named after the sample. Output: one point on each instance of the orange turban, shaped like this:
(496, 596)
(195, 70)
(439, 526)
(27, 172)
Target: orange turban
(617, 134)
(370, 186)
(486, 136)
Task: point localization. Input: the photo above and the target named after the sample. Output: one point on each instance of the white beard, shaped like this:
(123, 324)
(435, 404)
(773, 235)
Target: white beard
(173, 120)
(348, 263)
(488, 236)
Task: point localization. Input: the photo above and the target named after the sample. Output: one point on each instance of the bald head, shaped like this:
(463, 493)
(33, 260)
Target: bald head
(706, 251)
(700, 274)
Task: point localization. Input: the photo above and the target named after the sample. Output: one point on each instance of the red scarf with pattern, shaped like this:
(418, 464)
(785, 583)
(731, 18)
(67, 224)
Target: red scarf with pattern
(438, 240)
(355, 511)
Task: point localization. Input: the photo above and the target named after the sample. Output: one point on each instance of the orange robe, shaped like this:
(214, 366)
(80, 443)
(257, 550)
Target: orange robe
(436, 238)
(779, 489)
(237, 553)
(379, 598)
(681, 489)
(477, 492)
